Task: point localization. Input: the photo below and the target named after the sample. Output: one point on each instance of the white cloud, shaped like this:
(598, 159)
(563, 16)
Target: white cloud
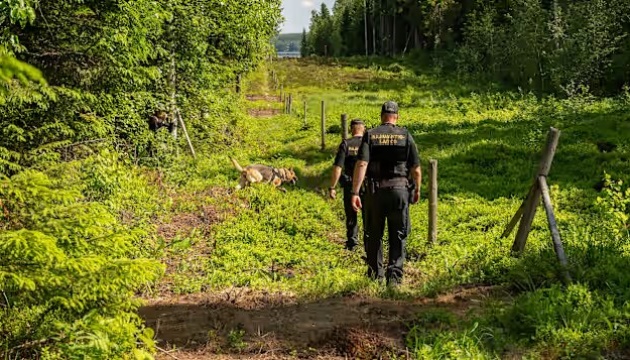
(308, 3)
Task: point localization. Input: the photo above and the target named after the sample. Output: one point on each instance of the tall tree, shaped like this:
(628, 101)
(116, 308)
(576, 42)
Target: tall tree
(535, 44)
(346, 32)
(324, 36)
(304, 45)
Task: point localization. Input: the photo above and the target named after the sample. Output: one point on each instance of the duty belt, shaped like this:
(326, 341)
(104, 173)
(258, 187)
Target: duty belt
(399, 182)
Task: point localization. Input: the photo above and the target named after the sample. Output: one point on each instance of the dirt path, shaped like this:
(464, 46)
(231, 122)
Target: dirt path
(268, 98)
(241, 323)
(264, 112)
(258, 325)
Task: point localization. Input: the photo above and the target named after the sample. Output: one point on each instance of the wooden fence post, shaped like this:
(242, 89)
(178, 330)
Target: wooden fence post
(282, 93)
(238, 83)
(344, 126)
(433, 201)
(173, 83)
(527, 210)
(533, 199)
(553, 227)
(323, 125)
(181, 121)
(290, 104)
(515, 220)
(305, 122)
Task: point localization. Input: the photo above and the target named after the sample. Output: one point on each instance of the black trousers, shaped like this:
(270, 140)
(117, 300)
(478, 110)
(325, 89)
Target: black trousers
(352, 221)
(391, 205)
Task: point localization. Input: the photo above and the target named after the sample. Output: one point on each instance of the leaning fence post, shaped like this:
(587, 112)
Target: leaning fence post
(181, 121)
(433, 200)
(323, 125)
(533, 199)
(553, 228)
(344, 126)
(515, 219)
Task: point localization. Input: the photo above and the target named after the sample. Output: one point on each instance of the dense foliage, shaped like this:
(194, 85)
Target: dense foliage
(14, 14)
(78, 82)
(70, 265)
(112, 63)
(545, 45)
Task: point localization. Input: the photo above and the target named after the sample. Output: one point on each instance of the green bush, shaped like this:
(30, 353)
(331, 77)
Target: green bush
(434, 336)
(69, 272)
(573, 322)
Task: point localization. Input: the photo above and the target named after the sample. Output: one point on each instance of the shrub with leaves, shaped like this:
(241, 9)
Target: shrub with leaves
(68, 274)
(111, 65)
(615, 203)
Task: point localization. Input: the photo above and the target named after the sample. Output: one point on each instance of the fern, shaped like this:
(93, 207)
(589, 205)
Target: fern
(67, 273)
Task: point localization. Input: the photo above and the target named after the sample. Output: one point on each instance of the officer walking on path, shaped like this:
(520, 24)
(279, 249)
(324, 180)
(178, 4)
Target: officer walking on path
(389, 156)
(342, 170)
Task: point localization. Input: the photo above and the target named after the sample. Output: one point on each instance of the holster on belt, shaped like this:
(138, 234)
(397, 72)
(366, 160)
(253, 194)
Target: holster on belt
(363, 188)
(411, 187)
(372, 186)
(345, 180)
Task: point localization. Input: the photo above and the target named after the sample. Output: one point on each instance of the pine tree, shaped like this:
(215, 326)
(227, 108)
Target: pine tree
(346, 33)
(304, 46)
(526, 43)
(323, 31)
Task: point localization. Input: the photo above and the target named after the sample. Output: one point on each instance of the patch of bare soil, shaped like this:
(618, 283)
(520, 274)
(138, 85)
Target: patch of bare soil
(264, 112)
(182, 223)
(269, 98)
(274, 326)
(198, 355)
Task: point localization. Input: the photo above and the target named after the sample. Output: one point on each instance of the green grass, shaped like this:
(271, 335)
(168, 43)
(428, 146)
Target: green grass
(488, 142)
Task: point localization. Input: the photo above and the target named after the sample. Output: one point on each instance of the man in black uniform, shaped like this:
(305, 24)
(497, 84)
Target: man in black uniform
(342, 169)
(389, 155)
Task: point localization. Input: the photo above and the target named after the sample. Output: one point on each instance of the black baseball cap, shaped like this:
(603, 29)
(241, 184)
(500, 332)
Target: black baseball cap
(389, 107)
(356, 122)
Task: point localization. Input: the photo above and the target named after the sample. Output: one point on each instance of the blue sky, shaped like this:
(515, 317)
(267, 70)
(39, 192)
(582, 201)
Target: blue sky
(297, 14)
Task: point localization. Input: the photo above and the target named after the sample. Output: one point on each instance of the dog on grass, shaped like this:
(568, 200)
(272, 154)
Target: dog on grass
(257, 173)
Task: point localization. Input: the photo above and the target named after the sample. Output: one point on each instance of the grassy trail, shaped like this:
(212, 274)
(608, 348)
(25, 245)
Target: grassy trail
(263, 274)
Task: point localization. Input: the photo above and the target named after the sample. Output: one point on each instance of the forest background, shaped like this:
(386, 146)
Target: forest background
(83, 181)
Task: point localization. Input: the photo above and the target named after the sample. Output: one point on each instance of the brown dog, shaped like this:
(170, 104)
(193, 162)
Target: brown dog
(261, 173)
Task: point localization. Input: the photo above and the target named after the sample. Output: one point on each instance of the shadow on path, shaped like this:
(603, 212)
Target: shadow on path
(259, 322)
(496, 159)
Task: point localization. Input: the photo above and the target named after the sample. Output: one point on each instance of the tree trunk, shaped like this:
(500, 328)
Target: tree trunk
(174, 95)
(373, 28)
(367, 54)
(394, 36)
(417, 44)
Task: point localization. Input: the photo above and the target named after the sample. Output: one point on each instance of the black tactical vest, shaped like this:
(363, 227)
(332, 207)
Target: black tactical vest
(352, 153)
(388, 152)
